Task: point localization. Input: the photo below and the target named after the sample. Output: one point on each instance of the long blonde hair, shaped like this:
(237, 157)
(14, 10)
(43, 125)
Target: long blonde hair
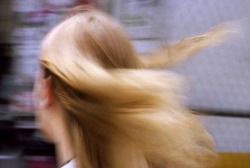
(121, 115)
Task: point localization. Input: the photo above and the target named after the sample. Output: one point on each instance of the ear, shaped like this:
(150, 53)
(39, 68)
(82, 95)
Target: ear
(46, 96)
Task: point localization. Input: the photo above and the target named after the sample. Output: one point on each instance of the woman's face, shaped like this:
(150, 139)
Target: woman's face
(41, 96)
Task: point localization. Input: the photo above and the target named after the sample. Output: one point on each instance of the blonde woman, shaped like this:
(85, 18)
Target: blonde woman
(102, 106)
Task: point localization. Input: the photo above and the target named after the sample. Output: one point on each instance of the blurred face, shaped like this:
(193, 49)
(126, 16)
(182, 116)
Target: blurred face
(42, 101)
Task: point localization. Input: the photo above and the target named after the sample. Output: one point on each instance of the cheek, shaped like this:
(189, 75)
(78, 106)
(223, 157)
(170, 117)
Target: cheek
(42, 120)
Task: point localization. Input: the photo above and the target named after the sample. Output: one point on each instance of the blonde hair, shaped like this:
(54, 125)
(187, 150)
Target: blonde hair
(119, 113)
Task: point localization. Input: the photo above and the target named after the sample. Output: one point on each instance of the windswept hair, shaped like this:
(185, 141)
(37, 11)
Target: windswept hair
(120, 112)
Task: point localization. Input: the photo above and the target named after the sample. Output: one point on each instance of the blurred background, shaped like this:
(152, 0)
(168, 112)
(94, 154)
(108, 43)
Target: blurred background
(218, 77)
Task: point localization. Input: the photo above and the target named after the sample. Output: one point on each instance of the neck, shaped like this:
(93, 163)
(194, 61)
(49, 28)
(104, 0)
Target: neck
(63, 144)
(64, 152)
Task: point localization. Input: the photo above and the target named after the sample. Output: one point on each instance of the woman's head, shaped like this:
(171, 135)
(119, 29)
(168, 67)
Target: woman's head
(117, 113)
(86, 41)
(89, 34)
